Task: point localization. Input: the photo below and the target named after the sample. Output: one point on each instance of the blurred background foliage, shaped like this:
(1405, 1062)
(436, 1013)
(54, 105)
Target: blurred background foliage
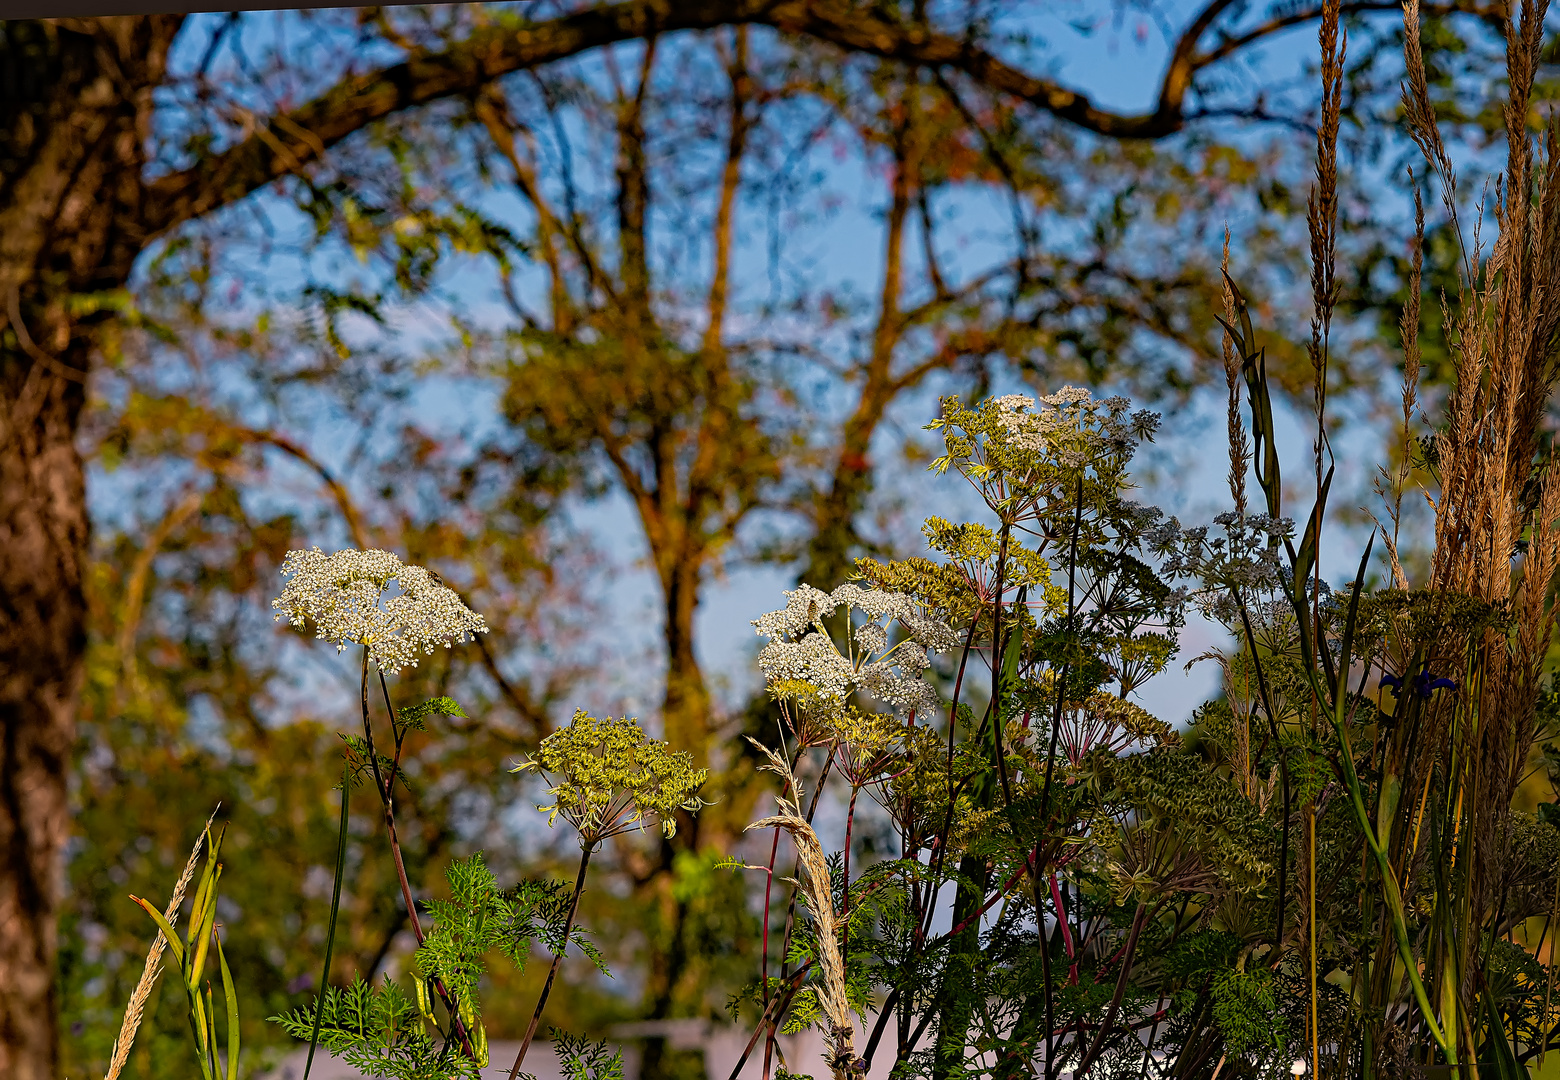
(689, 301)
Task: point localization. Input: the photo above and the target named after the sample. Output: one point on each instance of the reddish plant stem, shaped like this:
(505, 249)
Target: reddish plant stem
(384, 787)
(990, 903)
(1067, 939)
(935, 859)
(998, 658)
(890, 1005)
(1045, 797)
(1128, 952)
(958, 687)
(850, 821)
(777, 1007)
(769, 883)
(785, 946)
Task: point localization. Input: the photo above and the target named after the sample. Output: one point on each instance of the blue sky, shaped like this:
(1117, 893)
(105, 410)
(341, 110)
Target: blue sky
(1119, 64)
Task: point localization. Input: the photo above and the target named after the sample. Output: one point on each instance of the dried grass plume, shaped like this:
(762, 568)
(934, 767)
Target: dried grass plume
(840, 1039)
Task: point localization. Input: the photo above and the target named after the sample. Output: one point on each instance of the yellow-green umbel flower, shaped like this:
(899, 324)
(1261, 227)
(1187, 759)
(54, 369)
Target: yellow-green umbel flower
(607, 777)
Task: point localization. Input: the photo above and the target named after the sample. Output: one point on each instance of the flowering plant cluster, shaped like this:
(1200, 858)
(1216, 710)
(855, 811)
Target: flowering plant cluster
(1020, 457)
(606, 777)
(1116, 892)
(1331, 869)
(802, 650)
(398, 612)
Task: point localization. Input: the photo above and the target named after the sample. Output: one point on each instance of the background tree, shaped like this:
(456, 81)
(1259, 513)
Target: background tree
(147, 136)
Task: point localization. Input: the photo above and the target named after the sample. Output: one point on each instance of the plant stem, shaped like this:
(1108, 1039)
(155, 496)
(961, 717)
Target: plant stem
(1045, 796)
(383, 785)
(958, 688)
(769, 881)
(1391, 894)
(335, 908)
(850, 822)
(777, 1006)
(552, 972)
(1549, 981)
(1283, 766)
(998, 659)
(1316, 1055)
(763, 958)
(1128, 954)
(1283, 852)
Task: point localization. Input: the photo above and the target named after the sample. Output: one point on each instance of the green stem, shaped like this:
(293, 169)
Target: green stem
(385, 785)
(1389, 885)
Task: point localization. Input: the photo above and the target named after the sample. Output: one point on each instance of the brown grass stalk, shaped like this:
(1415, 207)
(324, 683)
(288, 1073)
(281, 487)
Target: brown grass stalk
(1497, 516)
(1391, 486)
(1240, 445)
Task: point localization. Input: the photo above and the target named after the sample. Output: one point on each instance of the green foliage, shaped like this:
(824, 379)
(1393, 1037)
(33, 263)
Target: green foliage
(414, 717)
(476, 920)
(1246, 1012)
(381, 1032)
(585, 1060)
(385, 1031)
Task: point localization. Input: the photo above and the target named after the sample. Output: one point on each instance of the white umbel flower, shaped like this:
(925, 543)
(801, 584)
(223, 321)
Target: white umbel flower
(801, 649)
(348, 598)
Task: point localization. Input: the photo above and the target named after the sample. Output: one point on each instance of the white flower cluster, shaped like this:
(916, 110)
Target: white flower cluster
(1072, 422)
(800, 647)
(347, 597)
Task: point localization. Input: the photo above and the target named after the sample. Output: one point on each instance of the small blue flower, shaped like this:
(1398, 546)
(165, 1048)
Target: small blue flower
(1424, 684)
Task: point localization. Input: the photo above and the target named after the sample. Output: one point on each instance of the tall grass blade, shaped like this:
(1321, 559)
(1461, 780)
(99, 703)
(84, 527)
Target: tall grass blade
(201, 1029)
(153, 967)
(231, 995)
(165, 928)
(1351, 624)
(201, 931)
(330, 929)
(1506, 1066)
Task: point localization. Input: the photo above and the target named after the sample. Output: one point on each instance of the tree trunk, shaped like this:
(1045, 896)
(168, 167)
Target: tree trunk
(686, 712)
(43, 532)
(687, 720)
(74, 106)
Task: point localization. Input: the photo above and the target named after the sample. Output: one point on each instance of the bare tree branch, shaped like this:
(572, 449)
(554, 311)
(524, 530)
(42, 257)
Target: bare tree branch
(286, 143)
(291, 141)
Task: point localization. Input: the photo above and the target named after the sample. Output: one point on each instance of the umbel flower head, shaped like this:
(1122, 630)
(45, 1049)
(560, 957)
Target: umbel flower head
(607, 777)
(800, 650)
(349, 599)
